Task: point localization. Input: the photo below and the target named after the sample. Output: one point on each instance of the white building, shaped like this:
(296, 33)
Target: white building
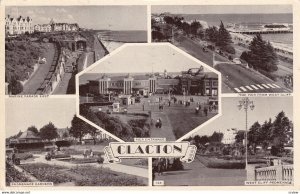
(20, 25)
(229, 136)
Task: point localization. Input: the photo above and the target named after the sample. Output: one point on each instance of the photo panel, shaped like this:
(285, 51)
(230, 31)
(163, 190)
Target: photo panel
(53, 147)
(251, 45)
(46, 46)
(262, 125)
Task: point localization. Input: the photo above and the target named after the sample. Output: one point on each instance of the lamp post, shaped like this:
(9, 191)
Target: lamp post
(246, 104)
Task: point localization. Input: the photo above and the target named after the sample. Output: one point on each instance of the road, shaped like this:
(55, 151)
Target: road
(196, 174)
(38, 77)
(237, 78)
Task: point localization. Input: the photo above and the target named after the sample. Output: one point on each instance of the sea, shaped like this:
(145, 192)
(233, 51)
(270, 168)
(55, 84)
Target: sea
(252, 21)
(124, 36)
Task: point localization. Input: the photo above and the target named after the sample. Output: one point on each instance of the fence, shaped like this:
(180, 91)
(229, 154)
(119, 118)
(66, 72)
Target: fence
(56, 72)
(275, 173)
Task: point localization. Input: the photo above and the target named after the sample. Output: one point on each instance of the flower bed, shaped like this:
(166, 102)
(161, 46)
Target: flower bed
(221, 163)
(47, 173)
(61, 156)
(104, 177)
(12, 175)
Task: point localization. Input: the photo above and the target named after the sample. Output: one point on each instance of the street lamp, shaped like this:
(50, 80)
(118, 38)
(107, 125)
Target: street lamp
(246, 104)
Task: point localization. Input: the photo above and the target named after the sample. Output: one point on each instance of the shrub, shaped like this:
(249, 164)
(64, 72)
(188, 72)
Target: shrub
(229, 49)
(12, 175)
(177, 165)
(220, 163)
(63, 143)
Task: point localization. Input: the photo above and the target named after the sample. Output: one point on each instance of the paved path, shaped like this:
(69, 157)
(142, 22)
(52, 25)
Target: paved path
(38, 77)
(131, 170)
(166, 131)
(196, 174)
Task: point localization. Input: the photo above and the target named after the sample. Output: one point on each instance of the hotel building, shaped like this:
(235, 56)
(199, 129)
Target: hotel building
(20, 25)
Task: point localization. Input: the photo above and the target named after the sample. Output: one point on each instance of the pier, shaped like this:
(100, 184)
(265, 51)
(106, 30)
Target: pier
(260, 31)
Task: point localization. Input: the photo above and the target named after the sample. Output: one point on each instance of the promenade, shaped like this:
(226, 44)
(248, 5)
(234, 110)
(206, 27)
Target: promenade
(196, 174)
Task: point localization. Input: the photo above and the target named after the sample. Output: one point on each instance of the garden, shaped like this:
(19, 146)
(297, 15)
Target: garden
(79, 175)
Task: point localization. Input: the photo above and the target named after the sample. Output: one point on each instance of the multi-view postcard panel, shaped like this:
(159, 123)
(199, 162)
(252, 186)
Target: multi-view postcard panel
(213, 89)
(46, 46)
(156, 92)
(252, 46)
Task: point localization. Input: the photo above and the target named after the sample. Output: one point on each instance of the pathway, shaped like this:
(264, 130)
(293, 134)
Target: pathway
(166, 131)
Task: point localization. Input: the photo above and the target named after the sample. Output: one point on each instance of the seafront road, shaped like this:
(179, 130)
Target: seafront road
(237, 78)
(38, 77)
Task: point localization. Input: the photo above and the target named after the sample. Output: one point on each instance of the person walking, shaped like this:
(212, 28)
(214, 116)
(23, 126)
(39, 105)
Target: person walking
(205, 111)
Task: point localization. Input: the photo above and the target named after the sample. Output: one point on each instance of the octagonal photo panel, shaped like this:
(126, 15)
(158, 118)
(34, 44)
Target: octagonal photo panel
(148, 90)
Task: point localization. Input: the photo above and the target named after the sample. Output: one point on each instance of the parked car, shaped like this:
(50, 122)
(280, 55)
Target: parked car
(237, 61)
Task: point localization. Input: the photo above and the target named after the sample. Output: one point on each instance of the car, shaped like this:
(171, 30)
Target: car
(237, 61)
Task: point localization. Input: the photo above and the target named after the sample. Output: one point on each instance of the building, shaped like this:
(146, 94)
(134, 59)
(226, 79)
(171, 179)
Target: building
(42, 28)
(229, 136)
(188, 83)
(56, 27)
(20, 25)
(29, 137)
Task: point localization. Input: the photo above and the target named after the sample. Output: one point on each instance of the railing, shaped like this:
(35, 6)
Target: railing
(55, 74)
(275, 173)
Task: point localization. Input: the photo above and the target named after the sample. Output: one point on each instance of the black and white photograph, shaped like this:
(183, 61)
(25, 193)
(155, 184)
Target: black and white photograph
(256, 144)
(149, 90)
(251, 45)
(47, 144)
(46, 46)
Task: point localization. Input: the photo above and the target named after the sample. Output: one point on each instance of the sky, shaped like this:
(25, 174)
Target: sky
(95, 17)
(222, 9)
(22, 113)
(232, 117)
(145, 58)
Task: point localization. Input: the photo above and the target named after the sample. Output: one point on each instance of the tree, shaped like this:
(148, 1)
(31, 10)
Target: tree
(33, 129)
(211, 34)
(216, 137)
(240, 136)
(169, 20)
(15, 86)
(265, 132)
(281, 127)
(224, 38)
(93, 132)
(254, 137)
(186, 28)
(261, 55)
(196, 28)
(78, 128)
(48, 132)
